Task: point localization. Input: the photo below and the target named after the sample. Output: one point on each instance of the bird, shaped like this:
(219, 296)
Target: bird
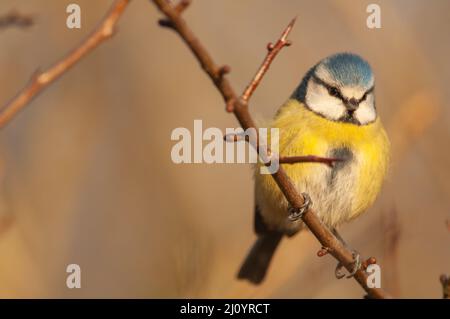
(332, 113)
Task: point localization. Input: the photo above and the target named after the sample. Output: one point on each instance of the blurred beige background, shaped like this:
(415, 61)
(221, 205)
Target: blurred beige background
(86, 174)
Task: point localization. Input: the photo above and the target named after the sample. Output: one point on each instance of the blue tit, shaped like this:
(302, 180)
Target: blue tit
(331, 114)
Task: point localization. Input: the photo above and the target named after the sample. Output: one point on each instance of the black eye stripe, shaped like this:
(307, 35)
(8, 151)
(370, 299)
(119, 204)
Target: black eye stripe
(366, 94)
(334, 91)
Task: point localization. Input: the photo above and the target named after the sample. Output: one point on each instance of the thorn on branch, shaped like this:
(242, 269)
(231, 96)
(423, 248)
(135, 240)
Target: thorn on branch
(223, 70)
(286, 31)
(229, 107)
(323, 251)
(165, 23)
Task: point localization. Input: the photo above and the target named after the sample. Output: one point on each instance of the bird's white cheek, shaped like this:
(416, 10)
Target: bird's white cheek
(366, 111)
(319, 101)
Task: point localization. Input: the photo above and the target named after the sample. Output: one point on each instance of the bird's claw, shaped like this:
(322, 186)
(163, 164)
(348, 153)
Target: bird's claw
(356, 266)
(295, 213)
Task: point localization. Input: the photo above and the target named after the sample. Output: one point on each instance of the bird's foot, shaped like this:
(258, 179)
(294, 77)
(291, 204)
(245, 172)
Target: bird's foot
(295, 213)
(356, 266)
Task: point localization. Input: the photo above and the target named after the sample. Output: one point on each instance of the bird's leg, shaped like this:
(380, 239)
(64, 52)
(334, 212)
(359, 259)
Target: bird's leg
(357, 258)
(297, 213)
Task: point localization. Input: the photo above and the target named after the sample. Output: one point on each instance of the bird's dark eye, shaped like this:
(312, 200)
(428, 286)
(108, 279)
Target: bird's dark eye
(334, 91)
(364, 97)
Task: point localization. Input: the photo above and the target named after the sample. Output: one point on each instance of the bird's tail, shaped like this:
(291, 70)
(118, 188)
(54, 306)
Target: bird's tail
(257, 262)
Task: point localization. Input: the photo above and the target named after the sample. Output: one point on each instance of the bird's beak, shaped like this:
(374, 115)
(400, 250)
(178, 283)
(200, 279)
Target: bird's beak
(352, 105)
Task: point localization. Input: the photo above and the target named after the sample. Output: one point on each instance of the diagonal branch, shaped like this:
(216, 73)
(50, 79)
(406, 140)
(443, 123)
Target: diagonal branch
(240, 110)
(41, 80)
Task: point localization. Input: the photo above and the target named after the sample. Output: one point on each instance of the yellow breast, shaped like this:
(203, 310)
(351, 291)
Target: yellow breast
(339, 195)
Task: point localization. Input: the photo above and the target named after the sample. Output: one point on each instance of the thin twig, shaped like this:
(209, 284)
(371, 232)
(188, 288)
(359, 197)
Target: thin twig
(285, 159)
(41, 80)
(15, 19)
(240, 110)
(272, 51)
(309, 159)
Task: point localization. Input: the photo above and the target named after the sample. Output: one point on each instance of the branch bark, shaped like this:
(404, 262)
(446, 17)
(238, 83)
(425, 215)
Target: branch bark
(240, 109)
(330, 161)
(308, 159)
(41, 80)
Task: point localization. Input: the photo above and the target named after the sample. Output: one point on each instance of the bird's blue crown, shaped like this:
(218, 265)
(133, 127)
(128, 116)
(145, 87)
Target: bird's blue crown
(347, 69)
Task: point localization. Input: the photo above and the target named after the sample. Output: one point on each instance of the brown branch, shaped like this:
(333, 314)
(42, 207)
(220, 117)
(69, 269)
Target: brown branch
(309, 159)
(41, 80)
(285, 159)
(15, 19)
(240, 110)
(272, 51)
